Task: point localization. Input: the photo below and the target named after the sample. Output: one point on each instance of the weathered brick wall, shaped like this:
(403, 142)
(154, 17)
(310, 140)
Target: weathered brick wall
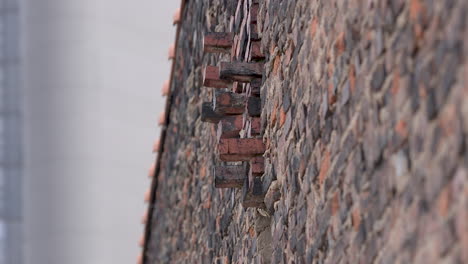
(192, 221)
(366, 114)
(365, 120)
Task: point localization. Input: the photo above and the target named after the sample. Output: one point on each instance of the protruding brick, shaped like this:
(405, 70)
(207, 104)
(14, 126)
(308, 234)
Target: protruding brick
(144, 218)
(255, 126)
(241, 71)
(141, 242)
(240, 149)
(254, 106)
(140, 259)
(257, 166)
(152, 170)
(156, 146)
(171, 52)
(252, 194)
(230, 176)
(176, 17)
(165, 88)
(162, 119)
(256, 50)
(208, 114)
(254, 13)
(211, 78)
(230, 126)
(218, 42)
(147, 196)
(228, 103)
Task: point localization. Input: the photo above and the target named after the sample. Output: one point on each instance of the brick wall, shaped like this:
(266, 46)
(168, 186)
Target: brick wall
(364, 118)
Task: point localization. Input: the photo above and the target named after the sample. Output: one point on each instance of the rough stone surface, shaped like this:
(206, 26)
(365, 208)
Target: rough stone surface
(365, 123)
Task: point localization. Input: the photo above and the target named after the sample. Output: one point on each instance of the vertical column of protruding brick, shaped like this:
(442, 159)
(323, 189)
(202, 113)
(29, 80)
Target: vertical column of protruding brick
(237, 113)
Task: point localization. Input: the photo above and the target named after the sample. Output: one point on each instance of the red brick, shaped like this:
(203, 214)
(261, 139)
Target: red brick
(444, 201)
(171, 53)
(257, 166)
(162, 119)
(165, 88)
(276, 64)
(356, 218)
(147, 196)
(141, 242)
(252, 231)
(324, 167)
(140, 259)
(254, 13)
(255, 125)
(240, 149)
(218, 42)
(240, 71)
(335, 203)
(176, 17)
(211, 78)
(396, 82)
(152, 170)
(156, 146)
(202, 173)
(274, 114)
(229, 103)
(256, 50)
(313, 28)
(401, 129)
(340, 44)
(144, 218)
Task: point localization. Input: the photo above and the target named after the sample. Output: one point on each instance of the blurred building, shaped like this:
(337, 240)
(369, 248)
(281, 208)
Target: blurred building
(93, 72)
(11, 170)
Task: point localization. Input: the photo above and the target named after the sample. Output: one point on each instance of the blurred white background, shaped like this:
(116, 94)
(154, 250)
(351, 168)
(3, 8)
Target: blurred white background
(93, 71)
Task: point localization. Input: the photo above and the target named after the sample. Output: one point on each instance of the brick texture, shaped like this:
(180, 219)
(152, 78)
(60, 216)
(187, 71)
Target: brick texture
(364, 121)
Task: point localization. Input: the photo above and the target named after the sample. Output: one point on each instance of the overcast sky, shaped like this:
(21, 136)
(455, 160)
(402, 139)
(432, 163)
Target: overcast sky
(93, 74)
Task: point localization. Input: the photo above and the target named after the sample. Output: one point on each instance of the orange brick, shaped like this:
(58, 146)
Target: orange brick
(252, 232)
(165, 88)
(335, 203)
(152, 170)
(171, 52)
(340, 44)
(141, 242)
(313, 27)
(356, 218)
(162, 119)
(401, 129)
(144, 218)
(156, 146)
(176, 17)
(276, 64)
(140, 259)
(325, 166)
(444, 200)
